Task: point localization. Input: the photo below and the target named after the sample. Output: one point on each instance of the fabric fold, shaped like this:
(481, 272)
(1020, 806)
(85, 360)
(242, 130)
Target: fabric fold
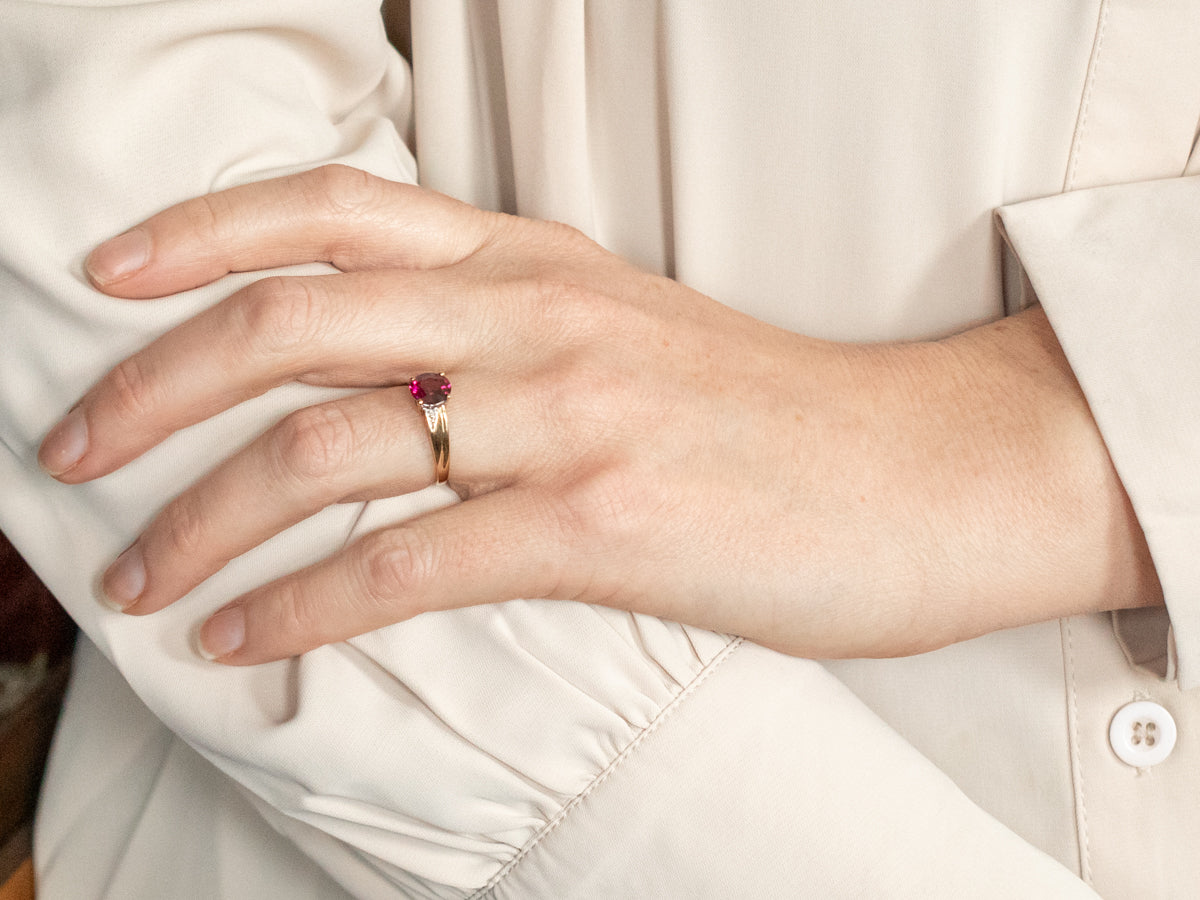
(1110, 266)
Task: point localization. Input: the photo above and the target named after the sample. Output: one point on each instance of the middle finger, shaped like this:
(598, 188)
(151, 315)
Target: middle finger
(350, 330)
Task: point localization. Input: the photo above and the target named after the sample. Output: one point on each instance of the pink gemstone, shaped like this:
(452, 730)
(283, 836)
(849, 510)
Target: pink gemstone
(430, 388)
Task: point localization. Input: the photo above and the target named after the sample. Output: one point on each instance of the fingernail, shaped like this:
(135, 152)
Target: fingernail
(125, 579)
(66, 443)
(223, 633)
(119, 257)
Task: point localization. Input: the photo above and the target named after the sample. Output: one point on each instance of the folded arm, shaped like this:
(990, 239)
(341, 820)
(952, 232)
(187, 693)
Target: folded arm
(620, 439)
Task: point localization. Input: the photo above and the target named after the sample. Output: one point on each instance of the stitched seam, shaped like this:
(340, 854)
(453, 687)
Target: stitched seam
(1086, 102)
(628, 751)
(1081, 823)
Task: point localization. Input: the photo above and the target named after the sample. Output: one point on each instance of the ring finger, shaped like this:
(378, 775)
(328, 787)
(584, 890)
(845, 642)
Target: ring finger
(370, 445)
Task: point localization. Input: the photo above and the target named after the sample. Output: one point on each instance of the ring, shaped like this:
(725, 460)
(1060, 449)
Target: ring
(430, 390)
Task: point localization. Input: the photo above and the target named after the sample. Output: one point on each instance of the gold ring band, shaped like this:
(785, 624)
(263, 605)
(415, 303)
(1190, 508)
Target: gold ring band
(439, 436)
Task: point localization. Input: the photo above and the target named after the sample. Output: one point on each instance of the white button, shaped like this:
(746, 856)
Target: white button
(1142, 734)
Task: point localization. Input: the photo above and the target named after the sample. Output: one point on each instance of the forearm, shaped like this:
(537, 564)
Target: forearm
(952, 488)
(1067, 539)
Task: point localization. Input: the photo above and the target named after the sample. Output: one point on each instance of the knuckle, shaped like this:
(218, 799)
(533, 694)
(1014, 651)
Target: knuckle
(569, 246)
(132, 388)
(345, 190)
(291, 615)
(568, 237)
(568, 311)
(397, 564)
(315, 443)
(296, 612)
(552, 290)
(602, 504)
(343, 196)
(592, 406)
(544, 237)
(568, 301)
(206, 217)
(278, 314)
(184, 526)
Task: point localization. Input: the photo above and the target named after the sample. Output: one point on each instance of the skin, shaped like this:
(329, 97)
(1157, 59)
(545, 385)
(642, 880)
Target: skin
(618, 438)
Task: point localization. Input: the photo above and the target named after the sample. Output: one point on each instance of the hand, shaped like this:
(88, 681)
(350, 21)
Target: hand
(617, 437)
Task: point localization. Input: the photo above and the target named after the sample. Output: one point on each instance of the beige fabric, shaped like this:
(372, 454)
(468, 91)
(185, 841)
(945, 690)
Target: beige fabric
(833, 168)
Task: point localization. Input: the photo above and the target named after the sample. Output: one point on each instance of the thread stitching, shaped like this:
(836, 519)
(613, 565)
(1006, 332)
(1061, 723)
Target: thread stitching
(1085, 858)
(1086, 103)
(628, 751)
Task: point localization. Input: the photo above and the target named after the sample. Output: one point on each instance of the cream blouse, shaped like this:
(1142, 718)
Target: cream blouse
(834, 168)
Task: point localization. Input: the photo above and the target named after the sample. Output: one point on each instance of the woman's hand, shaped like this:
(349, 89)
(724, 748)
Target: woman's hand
(618, 439)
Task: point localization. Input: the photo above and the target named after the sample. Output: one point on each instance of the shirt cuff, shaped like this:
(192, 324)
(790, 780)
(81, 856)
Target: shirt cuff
(1117, 270)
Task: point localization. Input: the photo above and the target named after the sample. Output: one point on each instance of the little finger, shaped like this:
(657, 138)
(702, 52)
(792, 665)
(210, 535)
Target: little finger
(500, 546)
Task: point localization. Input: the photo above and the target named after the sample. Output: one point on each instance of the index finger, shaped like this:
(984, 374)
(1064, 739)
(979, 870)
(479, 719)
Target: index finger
(334, 214)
